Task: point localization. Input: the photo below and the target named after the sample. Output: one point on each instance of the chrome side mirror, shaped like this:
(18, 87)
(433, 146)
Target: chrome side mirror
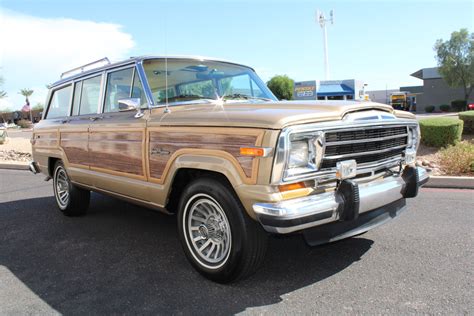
(131, 104)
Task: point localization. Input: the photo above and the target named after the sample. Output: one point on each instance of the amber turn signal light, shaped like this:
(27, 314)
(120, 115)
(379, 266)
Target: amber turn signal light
(290, 187)
(252, 151)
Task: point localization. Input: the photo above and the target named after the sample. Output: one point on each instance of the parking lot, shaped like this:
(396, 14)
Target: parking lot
(123, 259)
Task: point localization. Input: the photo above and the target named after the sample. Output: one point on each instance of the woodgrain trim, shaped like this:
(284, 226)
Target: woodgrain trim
(258, 133)
(46, 131)
(143, 152)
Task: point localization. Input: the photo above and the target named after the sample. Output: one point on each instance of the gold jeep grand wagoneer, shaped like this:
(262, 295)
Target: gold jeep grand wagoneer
(206, 140)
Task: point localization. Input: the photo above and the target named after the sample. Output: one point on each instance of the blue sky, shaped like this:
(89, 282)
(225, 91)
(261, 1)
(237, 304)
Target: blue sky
(379, 42)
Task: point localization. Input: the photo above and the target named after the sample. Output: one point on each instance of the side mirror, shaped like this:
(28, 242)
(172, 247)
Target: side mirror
(131, 104)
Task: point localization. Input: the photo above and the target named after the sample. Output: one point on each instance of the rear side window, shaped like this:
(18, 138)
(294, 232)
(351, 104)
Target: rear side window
(119, 84)
(59, 104)
(90, 95)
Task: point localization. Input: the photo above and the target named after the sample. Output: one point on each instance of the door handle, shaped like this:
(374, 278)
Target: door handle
(65, 121)
(95, 118)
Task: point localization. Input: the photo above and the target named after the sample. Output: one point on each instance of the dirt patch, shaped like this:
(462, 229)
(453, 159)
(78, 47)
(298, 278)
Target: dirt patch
(16, 149)
(429, 158)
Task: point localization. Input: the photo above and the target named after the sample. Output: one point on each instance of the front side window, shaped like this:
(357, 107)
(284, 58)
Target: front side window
(182, 80)
(90, 95)
(59, 104)
(119, 84)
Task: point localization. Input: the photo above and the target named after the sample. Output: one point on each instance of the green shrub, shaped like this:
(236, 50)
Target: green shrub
(459, 105)
(468, 119)
(429, 109)
(444, 107)
(440, 131)
(23, 123)
(458, 159)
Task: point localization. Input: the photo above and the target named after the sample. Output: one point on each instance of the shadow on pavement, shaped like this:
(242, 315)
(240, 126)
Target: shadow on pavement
(121, 258)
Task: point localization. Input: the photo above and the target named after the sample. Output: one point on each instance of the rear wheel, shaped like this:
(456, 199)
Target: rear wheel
(219, 239)
(71, 200)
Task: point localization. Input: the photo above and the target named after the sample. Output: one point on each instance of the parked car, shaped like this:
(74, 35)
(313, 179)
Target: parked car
(206, 140)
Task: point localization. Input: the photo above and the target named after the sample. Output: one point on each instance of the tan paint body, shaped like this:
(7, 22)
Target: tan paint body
(137, 159)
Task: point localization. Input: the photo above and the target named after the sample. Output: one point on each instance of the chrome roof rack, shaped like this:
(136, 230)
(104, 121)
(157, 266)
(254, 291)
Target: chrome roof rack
(81, 68)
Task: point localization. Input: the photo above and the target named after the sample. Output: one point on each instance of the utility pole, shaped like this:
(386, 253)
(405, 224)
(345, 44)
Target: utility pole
(321, 19)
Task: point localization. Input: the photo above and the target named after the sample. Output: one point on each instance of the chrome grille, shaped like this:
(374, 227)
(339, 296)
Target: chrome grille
(368, 145)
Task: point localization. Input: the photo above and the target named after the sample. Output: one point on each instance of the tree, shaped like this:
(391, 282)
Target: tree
(27, 93)
(282, 87)
(455, 60)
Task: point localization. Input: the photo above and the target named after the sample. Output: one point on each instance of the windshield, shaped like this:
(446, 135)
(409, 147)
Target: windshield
(184, 80)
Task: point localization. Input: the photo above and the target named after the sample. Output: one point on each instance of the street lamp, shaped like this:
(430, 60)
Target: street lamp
(321, 19)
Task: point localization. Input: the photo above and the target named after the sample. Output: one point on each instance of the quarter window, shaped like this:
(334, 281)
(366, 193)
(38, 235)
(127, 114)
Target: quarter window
(137, 90)
(90, 95)
(119, 84)
(59, 104)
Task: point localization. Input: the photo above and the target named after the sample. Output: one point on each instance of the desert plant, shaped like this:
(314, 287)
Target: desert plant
(23, 123)
(429, 109)
(444, 107)
(468, 119)
(458, 159)
(440, 131)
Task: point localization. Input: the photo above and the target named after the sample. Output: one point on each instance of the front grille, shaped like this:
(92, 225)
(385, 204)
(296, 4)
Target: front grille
(369, 145)
(364, 134)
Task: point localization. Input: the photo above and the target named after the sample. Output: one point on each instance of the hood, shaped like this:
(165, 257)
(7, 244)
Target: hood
(268, 115)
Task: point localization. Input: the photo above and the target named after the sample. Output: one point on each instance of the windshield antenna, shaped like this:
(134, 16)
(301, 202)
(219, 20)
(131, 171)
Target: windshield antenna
(167, 109)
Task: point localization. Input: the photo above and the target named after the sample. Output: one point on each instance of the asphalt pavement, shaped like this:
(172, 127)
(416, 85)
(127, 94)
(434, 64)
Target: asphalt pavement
(124, 259)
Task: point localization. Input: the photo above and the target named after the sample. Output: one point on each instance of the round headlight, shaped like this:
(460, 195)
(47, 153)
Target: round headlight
(299, 154)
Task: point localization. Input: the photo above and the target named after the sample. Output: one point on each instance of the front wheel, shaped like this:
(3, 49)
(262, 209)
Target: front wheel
(219, 239)
(71, 200)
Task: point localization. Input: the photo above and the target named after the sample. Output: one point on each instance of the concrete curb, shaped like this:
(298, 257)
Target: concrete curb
(450, 182)
(15, 166)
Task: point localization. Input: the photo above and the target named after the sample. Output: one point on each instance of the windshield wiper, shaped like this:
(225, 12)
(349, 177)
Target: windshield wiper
(186, 97)
(243, 96)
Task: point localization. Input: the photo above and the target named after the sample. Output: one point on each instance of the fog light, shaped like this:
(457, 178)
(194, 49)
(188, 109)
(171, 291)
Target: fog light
(346, 169)
(410, 157)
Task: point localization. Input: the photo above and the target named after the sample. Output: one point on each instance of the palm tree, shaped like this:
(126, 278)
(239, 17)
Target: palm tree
(27, 93)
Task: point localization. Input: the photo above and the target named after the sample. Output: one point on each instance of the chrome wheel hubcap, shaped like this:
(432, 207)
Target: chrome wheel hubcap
(61, 187)
(208, 231)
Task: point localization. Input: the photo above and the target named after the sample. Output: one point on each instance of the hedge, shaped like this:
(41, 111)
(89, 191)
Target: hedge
(429, 108)
(459, 105)
(444, 107)
(441, 131)
(468, 119)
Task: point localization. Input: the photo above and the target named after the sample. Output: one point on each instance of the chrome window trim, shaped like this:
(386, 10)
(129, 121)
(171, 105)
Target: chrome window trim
(282, 152)
(145, 85)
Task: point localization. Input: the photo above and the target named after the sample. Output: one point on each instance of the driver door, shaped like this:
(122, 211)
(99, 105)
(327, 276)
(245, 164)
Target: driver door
(117, 138)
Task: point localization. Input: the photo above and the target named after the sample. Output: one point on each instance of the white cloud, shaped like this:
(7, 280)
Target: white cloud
(35, 50)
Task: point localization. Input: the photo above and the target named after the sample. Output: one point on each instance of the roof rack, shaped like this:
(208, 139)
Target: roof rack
(81, 68)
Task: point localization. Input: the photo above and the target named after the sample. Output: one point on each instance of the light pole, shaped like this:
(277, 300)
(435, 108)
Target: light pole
(322, 22)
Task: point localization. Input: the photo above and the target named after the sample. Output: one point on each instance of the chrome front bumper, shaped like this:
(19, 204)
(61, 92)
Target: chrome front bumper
(318, 209)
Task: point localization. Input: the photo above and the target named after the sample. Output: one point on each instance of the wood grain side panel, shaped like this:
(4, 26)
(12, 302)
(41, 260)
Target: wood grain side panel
(117, 151)
(46, 139)
(173, 141)
(74, 145)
